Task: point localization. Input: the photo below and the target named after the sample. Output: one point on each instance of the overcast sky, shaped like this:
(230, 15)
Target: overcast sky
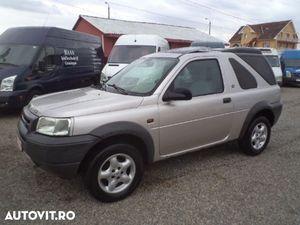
(226, 16)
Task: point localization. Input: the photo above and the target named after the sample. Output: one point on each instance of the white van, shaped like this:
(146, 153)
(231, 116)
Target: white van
(272, 56)
(130, 47)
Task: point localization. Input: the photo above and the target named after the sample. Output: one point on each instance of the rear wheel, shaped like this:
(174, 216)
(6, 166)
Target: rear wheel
(114, 173)
(257, 136)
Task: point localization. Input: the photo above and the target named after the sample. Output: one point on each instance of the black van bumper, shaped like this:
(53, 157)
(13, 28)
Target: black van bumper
(60, 155)
(12, 99)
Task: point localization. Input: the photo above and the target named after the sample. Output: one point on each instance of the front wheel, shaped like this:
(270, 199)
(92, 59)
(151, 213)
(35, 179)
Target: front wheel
(257, 136)
(114, 173)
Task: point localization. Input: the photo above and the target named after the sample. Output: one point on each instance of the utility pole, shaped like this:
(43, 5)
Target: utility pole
(209, 26)
(108, 9)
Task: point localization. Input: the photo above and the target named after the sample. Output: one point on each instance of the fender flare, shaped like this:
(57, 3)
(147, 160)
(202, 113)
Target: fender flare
(258, 107)
(127, 128)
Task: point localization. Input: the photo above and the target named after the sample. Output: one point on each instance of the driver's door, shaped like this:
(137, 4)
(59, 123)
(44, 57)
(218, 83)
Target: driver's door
(45, 71)
(205, 119)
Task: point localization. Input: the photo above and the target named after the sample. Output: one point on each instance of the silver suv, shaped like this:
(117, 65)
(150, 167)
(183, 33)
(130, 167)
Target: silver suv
(160, 106)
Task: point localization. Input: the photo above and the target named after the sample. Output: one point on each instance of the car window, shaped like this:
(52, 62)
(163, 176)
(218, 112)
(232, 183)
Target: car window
(260, 64)
(46, 60)
(245, 78)
(200, 77)
(144, 75)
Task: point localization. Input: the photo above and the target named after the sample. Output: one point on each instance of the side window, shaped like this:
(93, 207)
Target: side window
(201, 77)
(245, 78)
(260, 64)
(46, 60)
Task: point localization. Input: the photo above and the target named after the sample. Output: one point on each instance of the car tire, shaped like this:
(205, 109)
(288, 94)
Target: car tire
(108, 179)
(256, 137)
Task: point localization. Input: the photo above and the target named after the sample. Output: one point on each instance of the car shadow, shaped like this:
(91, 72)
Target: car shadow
(10, 113)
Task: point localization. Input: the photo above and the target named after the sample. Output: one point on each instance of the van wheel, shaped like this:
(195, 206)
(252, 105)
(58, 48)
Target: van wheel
(32, 94)
(114, 173)
(257, 136)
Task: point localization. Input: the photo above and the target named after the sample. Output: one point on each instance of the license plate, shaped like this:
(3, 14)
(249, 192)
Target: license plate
(298, 80)
(19, 144)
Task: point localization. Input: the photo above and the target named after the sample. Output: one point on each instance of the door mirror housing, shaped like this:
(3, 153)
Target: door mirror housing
(178, 94)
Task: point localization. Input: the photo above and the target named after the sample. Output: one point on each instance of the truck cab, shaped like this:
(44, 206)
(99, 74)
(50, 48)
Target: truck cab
(290, 63)
(129, 48)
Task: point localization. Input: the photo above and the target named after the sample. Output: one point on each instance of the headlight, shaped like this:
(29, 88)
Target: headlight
(103, 78)
(288, 74)
(54, 126)
(7, 84)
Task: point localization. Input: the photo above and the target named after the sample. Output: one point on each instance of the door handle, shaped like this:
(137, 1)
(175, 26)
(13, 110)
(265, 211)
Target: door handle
(226, 100)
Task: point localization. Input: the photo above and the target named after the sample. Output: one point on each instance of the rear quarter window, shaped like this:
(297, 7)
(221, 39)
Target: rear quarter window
(260, 64)
(245, 78)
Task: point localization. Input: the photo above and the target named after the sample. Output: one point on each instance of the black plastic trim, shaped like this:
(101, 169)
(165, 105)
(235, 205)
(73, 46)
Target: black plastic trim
(275, 108)
(127, 128)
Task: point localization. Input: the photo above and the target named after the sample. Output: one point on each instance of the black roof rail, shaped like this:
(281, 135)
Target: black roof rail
(187, 50)
(243, 50)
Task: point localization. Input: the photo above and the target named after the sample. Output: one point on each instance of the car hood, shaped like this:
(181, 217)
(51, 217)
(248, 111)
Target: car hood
(80, 102)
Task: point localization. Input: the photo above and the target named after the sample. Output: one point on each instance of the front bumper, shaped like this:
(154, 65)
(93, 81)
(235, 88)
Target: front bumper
(12, 99)
(292, 80)
(60, 155)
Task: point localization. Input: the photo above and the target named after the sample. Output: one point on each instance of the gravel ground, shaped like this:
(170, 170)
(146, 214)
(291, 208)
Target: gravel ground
(213, 186)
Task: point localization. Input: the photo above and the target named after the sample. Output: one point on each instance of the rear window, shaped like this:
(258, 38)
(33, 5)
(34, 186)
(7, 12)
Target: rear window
(245, 78)
(260, 64)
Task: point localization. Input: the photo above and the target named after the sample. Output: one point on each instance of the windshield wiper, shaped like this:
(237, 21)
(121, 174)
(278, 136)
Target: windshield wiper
(119, 89)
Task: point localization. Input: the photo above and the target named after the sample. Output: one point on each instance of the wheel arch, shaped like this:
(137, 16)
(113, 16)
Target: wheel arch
(121, 132)
(259, 109)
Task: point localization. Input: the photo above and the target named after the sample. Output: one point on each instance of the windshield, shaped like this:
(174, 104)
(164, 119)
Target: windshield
(273, 60)
(292, 62)
(142, 76)
(17, 55)
(129, 53)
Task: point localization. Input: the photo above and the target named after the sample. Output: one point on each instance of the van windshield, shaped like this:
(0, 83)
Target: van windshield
(273, 60)
(292, 62)
(143, 76)
(129, 53)
(16, 55)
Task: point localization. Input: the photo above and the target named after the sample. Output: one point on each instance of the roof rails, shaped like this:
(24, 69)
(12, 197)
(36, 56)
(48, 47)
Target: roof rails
(187, 50)
(243, 50)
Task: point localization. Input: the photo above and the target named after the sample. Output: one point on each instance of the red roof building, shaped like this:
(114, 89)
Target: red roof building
(109, 30)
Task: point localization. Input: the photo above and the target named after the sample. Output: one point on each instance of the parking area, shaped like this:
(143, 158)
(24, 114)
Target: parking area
(214, 186)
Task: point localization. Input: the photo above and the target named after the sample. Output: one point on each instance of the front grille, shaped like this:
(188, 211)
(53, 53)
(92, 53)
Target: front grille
(29, 119)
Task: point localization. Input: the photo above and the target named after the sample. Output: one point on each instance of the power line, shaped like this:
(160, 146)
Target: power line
(216, 10)
(163, 15)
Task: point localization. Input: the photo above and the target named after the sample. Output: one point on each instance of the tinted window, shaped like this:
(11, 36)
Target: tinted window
(244, 77)
(201, 77)
(260, 64)
(46, 61)
(12, 54)
(129, 53)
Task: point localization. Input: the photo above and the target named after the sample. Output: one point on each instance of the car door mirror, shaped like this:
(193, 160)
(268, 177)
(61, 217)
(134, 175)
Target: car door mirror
(177, 95)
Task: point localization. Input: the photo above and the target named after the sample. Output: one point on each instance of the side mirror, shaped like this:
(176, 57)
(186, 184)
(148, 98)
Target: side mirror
(177, 94)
